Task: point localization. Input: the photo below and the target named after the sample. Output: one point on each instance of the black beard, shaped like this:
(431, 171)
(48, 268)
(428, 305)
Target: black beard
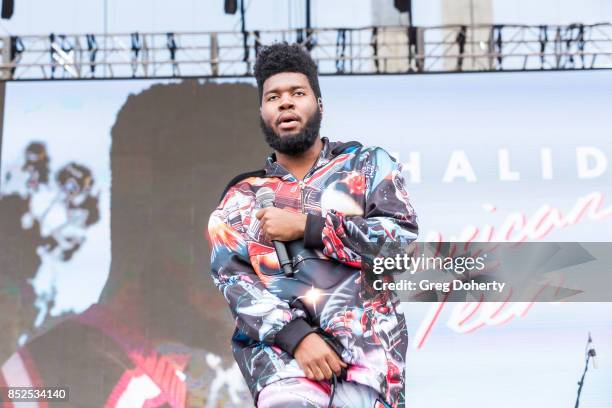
(295, 144)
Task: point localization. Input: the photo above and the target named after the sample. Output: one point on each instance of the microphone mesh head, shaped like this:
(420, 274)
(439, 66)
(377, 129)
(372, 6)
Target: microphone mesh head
(265, 196)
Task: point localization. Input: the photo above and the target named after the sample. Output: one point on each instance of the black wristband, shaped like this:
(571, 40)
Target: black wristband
(292, 334)
(313, 233)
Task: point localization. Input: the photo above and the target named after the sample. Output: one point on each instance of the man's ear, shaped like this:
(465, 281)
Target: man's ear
(320, 103)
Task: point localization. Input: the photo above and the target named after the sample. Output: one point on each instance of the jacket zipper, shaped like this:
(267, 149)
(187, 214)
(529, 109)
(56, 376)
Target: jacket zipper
(301, 184)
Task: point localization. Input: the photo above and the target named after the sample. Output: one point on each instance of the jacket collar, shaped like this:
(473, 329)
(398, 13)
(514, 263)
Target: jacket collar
(274, 169)
(329, 151)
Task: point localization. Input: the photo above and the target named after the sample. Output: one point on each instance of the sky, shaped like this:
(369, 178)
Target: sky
(78, 16)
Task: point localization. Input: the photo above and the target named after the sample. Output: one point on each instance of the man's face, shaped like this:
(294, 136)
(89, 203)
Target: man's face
(290, 113)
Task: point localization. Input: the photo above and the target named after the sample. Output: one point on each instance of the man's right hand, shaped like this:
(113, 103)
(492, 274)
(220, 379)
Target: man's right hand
(317, 359)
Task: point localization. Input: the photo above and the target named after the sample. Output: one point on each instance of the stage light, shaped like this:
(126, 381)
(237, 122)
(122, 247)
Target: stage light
(412, 33)
(461, 40)
(498, 43)
(17, 48)
(403, 6)
(340, 50)
(8, 6)
(543, 38)
(231, 6)
(62, 54)
(374, 45)
(92, 47)
(136, 48)
(574, 34)
(172, 47)
(258, 44)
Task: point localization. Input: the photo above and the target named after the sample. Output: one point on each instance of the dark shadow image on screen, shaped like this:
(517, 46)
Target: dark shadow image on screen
(161, 330)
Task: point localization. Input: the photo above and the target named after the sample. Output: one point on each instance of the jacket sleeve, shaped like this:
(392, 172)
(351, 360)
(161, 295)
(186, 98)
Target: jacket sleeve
(388, 216)
(259, 314)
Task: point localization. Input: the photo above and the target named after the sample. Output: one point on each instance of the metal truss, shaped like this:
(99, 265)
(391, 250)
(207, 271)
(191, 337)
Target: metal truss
(337, 51)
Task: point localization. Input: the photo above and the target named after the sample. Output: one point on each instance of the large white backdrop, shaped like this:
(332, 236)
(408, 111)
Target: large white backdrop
(487, 157)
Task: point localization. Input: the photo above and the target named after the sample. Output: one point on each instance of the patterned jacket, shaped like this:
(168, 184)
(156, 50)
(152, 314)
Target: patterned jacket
(354, 196)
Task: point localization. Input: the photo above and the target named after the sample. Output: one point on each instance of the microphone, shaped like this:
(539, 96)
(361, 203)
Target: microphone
(265, 199)
(591, 351)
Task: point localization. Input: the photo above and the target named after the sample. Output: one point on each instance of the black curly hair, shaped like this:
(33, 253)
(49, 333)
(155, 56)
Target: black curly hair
(284, 57)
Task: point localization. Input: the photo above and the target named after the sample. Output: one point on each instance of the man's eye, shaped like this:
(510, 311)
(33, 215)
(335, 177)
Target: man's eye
(271, 98)
(300, 93)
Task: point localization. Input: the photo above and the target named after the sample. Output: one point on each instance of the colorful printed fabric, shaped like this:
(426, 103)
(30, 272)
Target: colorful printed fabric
(355, 198)
(303, 393)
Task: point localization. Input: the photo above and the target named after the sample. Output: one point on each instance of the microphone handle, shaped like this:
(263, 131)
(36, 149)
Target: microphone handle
(281, 251)
(283, 258)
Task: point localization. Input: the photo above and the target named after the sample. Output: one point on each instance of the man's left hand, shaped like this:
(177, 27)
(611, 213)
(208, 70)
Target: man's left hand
(281, 225)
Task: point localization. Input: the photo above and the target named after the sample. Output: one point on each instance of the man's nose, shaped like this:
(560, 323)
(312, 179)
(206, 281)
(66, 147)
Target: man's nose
(286, 103)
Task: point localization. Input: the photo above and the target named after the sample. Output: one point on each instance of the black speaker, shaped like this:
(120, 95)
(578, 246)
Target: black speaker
(7, 8)
(231, 6)
(403, 6)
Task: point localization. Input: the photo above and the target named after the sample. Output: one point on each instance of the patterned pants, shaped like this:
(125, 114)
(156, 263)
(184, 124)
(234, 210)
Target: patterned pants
(303, 393)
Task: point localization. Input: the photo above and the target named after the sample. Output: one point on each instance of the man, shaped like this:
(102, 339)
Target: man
(332, 202)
